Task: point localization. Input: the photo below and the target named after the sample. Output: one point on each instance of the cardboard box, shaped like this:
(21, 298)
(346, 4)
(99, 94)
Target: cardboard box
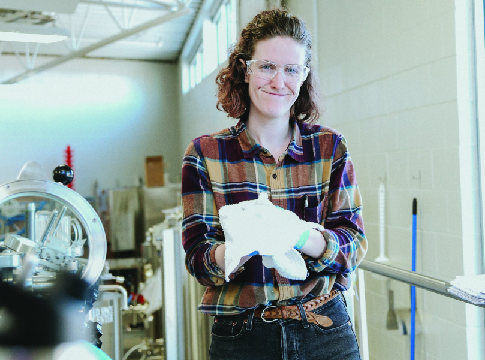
(154, 175)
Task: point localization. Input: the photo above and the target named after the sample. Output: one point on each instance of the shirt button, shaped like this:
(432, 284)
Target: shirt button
(274, 176)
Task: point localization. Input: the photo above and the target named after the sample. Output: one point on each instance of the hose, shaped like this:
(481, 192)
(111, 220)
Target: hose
(142, 346)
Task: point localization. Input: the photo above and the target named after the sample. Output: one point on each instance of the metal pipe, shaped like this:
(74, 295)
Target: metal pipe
(28, 269)
(30, 221)
(42, 283)
(124, 34)
(119, 288)
(81, 32)
(113, 17)
(48, 228)
(154, 6)
(59, 219)
(422, 281)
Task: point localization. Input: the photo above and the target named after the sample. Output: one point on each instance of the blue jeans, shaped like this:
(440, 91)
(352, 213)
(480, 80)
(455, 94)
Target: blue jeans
(245, 337)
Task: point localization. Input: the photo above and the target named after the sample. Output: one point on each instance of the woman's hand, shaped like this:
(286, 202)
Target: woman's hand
(220, 258)
(315, 245)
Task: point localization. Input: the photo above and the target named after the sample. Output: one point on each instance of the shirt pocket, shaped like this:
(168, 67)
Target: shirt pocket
(312, 209)
(228, 327)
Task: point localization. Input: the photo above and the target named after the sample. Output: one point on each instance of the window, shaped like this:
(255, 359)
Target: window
(216, 34)
(196, 68)
(225, 21)
(221, 31)
(231, 8)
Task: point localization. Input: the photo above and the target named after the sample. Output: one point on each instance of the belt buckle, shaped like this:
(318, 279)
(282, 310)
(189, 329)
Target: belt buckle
(262, 314)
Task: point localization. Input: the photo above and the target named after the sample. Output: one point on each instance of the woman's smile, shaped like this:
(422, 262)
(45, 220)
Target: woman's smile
(273, 99)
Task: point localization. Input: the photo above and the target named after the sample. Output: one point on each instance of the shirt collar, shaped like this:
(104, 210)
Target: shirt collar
(251, 147)
(295, 150)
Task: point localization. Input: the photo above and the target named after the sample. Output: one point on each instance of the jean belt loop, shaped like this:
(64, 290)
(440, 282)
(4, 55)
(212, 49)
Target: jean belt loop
(249, 323)
(303, 315)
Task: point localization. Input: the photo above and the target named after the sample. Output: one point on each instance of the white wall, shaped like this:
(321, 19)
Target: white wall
(198, 113)
(389, 75)
(112, 113)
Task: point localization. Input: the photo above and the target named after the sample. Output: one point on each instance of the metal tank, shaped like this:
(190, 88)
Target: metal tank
(52, 253)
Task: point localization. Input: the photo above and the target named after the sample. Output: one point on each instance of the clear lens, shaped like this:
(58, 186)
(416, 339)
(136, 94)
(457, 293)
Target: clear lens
(267, 70)
(265, 67)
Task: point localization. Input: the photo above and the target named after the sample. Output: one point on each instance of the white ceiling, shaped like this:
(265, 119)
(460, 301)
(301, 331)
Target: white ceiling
(120, 29)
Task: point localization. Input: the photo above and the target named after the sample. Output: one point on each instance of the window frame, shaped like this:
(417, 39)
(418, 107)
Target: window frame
(221, 15)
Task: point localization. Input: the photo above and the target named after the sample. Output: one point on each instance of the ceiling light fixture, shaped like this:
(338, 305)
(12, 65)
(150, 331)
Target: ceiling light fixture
(64, 6)
(31, 33)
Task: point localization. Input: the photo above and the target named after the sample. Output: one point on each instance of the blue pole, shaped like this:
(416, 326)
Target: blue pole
(413, 289)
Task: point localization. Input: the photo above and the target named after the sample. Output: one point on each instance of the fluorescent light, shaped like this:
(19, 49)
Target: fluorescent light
(64, 6)
(31, 33)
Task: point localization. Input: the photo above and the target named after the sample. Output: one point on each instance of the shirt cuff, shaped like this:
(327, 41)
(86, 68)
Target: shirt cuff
(328, 256)
(215, 272)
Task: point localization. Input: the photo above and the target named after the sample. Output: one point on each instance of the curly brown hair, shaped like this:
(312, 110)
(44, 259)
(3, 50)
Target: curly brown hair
(233, 95)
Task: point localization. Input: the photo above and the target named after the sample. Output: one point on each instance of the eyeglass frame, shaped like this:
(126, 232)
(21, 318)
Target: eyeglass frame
(306, 69)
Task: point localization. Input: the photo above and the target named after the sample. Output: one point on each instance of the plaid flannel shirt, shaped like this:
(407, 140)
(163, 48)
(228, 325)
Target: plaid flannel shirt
(314, 178)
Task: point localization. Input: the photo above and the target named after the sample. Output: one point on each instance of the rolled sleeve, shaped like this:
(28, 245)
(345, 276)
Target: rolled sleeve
(215, 272)
(343, 223)
(328, 256)
(201, 230)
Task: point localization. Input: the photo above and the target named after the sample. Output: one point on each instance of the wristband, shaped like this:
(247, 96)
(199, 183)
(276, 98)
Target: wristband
(303, 239)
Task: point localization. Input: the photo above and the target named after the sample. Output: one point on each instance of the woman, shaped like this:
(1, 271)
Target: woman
(275, 148)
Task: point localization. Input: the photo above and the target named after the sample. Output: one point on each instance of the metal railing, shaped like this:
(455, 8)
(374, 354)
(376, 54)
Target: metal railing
(422, 281)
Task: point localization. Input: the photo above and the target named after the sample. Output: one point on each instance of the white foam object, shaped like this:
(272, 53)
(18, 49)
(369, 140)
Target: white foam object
(153, 292)
(258, 225)
(382, 258)
(32, 171)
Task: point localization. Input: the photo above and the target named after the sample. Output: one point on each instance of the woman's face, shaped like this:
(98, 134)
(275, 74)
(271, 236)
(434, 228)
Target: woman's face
(273, 99)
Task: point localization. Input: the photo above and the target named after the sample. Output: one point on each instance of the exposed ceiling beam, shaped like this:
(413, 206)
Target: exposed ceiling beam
(195, 31)
(148, 5)
(81, 52)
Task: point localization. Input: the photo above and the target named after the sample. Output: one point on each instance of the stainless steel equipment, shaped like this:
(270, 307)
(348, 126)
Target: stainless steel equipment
(186, 331)
(53, 226)
(52, 253)
(134, 210)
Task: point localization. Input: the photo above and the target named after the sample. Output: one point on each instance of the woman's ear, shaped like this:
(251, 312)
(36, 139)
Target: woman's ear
(246, 76)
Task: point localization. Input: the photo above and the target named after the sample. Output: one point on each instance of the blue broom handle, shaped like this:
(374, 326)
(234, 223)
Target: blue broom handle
(415, 212)
(413, 288)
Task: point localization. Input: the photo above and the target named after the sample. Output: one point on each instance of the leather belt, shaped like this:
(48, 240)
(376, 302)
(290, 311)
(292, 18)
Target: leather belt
(293, 311)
